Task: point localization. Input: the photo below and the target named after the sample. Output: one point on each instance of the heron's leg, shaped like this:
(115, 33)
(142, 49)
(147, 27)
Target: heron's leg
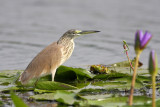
(53, 74)
(36, 82)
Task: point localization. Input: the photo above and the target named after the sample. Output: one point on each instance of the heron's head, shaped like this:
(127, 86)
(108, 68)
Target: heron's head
(76, 33)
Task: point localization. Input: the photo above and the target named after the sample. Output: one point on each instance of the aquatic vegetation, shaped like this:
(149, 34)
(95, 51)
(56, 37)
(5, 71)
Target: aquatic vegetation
(18, 102)
(99, 90)
(153, 70)
(98, 85)
(141, 42)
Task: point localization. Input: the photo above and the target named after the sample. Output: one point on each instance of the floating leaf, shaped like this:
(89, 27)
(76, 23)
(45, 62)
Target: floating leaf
(104, 83)
(128, 80)
(81, 84)
(46, 96)
(66, 97)
(9, 73)
(143, 78)
(126, 64)
(16, 88)
(64, 74)
(43, 91)
(49, 85)
(6, 79)
(116, 101)
(92, 91)
(1, 103)
(18, 102)
(110, 76)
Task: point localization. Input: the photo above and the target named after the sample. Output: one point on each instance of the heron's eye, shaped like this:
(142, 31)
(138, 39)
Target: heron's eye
(74, 33)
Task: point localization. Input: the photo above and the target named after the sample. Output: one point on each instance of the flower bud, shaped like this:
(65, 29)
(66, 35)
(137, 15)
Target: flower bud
(141, 40)
(153, 63)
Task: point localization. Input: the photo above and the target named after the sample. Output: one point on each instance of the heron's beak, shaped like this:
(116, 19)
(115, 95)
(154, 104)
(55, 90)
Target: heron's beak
(86, 32)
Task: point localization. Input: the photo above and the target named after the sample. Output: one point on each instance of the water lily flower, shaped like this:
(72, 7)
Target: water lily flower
(141, 40)
(153, 63)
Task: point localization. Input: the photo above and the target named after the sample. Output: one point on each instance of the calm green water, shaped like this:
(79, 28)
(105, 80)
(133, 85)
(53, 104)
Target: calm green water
(27, 26)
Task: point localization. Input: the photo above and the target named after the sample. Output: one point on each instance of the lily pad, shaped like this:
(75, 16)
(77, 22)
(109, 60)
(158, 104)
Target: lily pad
(117, 101)
(45, 96)
(61, 96)
(111, 76)
(6, 78)
(49, 85)
(9, 73)
(126, 64)
(66, 97)
(91, 91)
(15, 88)
(43, 91)
(80, 84)
(64, 74)
(18, 102)
(1, 103)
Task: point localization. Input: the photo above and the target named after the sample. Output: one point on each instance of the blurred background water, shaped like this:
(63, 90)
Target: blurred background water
(27, 26)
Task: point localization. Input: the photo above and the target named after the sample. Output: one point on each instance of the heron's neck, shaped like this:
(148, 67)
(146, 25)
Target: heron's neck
(65, 41)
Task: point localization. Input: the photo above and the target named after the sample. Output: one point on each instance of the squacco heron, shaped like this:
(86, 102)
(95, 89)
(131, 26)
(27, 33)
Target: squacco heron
(51, 57)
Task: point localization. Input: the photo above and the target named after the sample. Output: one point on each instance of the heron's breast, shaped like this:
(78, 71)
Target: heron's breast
(67, 51)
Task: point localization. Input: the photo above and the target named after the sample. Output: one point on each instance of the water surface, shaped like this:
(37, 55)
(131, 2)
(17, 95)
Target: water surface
(27, 26)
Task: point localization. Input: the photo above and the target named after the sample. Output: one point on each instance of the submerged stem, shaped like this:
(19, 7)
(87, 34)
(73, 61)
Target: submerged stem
(133, 80)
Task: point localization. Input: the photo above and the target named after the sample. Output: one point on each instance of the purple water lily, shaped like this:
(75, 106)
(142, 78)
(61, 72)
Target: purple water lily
(153, 64)
(141, 40)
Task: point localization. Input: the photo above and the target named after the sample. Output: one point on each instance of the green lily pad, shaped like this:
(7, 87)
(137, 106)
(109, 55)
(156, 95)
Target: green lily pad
(144, 78)
(64, 74)
(18, 102)
(43, 91)
(80, 84)
(6, 78)
(15, 88)
(61, 96)
(126, 64)
(103, 83)
(128, 80)
(45, 96)
(9, 73)
(6, 81)
(1, 103)
(110, 76)
(117, 101)
(123, 83)
(91, 91)
(66, 97)
(49, 85)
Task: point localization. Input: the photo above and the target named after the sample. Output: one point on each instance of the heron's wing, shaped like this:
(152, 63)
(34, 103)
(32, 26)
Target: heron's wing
(48, 59)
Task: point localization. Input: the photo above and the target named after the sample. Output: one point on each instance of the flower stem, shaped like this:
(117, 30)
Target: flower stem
(125, 47)
(153, 91)
(133, 80)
